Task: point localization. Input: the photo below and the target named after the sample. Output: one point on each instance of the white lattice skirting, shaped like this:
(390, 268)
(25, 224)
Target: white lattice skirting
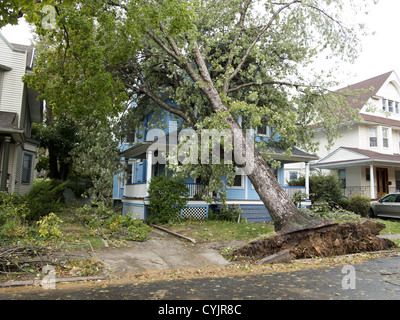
(199, 213)
(134, 211)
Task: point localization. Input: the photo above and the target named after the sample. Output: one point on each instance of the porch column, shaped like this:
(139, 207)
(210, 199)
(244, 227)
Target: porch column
(372, 178)
(4, 167)
(149, 158)
(307, 178)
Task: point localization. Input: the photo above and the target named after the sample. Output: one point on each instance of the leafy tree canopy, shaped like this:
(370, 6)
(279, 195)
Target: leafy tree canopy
(215, 59)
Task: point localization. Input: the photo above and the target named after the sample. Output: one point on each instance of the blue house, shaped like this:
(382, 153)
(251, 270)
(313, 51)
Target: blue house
(144, 160)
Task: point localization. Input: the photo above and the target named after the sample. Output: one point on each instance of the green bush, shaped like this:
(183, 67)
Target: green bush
(49, 226)
(323, 187)
(226, 213)
(168, 196)
(360, 205)
(45, 196)
(128, 228)
(95, 216)
(102, 220)
(12, 216)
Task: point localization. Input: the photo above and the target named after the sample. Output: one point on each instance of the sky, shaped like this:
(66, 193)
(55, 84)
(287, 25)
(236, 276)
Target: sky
(380, 51)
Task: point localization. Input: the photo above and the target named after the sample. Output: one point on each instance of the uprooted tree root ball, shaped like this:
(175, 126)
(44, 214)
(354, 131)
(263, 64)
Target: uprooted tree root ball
(334, 240)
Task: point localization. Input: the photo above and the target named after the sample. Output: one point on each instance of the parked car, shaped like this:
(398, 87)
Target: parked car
(388, 206)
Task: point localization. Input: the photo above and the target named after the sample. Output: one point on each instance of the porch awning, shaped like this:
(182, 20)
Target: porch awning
(138, 151)
(298, 155)
(9, 126)
(351, 157)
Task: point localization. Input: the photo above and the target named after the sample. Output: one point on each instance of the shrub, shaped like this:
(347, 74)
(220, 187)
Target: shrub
(360, 205)
(168, 196)
(127, 227)
(49, 226)
(103, 221)
(45, 196)
(12, 216)
(338, 215)
(225, 213)
(323, 187)
(94, 217)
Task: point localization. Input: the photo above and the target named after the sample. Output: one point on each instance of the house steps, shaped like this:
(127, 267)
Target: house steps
(255, 213)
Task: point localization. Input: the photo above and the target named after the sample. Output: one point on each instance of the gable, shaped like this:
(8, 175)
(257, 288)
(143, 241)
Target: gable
(390, 91)
(343, 154)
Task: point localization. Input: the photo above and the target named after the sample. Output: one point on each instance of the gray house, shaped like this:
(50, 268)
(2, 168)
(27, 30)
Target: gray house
(19, 107)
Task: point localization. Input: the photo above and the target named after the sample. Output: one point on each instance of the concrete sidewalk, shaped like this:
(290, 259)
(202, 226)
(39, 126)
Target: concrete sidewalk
(161, 251)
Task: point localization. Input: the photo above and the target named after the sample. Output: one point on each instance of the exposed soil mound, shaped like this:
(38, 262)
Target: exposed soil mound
(334, 240)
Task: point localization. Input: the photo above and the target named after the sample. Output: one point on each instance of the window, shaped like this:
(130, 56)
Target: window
(390, 198)
(342, 178)
(293, 175)
(384, 104)
(238, 182)
(27, 168)
(385, 137)
(397, 107)
(368, 174)
(129, 173)
(263, 130)
(373, 137)
(391, 106)
(399, 142)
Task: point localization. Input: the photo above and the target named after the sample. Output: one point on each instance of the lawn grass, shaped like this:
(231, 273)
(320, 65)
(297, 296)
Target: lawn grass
(213, 230)
(392, 226)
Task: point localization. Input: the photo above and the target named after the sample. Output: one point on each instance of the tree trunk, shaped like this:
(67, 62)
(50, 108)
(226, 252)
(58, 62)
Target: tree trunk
(286, 216)
(53, 162)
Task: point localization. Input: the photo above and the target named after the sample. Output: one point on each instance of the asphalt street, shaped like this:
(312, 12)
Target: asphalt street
(377, 279)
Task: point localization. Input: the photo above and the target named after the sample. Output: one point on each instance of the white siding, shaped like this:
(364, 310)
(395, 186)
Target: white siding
(12, 85)
(347, 139)
(342, 155)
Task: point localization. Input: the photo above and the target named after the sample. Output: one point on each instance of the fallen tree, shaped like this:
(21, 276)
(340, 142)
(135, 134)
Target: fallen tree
(327, 241)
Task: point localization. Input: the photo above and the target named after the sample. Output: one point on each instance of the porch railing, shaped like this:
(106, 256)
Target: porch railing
(291, 191)
(196, 190)
(366, 191)
(135, 190)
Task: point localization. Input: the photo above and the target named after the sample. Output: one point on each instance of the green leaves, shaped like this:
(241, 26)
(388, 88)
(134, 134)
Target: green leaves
(168, 196)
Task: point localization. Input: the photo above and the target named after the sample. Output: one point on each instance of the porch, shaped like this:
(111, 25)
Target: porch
(364, 172)
(196, 190)
(366, 191)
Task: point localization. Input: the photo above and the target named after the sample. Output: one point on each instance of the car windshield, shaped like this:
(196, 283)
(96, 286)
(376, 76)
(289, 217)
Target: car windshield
(390, 198)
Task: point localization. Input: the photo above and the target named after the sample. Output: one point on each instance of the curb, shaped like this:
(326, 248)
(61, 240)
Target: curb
(37, 282)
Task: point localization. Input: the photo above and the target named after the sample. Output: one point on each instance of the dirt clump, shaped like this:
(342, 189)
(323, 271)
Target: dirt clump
(329, 241)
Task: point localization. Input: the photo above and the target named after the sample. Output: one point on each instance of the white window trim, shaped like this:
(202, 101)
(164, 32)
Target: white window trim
(370, 136)
(267, 130)
(241, 184)
(388, 138)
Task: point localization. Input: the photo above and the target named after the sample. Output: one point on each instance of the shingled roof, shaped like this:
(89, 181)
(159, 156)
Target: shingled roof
(8, 120)
(367, 88)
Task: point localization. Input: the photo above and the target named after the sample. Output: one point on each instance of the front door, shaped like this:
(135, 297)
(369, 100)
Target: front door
(382, 181)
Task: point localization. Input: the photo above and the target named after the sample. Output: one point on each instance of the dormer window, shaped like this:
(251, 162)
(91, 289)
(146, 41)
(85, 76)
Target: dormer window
(390, 106)
(390, 103)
